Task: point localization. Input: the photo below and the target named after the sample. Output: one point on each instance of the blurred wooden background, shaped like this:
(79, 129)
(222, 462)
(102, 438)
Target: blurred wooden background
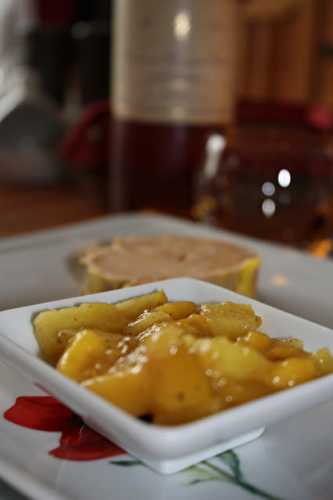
(290, 58)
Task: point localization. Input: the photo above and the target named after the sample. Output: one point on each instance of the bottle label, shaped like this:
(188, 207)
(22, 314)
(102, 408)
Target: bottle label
(175, 61)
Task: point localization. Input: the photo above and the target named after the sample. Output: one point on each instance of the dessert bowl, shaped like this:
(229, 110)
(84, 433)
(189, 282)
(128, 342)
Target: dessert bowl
(168, 449)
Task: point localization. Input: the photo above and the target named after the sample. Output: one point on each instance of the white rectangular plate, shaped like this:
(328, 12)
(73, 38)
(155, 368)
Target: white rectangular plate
(293, 459)
(33, 268)
(169, 449)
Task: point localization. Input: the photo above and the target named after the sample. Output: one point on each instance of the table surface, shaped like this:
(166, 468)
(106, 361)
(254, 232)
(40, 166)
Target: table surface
(26, 209)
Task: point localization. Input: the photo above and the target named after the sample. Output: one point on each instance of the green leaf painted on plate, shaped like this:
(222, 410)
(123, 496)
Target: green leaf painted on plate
(209, 471)
(199, 473)
(231, 460)
(197, 481)
(126, 463)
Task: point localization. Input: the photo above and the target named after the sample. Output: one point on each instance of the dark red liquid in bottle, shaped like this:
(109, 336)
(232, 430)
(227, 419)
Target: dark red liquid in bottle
(153, 166)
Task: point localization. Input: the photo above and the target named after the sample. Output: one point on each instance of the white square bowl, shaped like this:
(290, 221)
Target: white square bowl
(169, 449)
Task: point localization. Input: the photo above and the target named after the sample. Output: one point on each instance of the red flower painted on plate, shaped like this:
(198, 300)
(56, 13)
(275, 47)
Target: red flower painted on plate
(77, 441)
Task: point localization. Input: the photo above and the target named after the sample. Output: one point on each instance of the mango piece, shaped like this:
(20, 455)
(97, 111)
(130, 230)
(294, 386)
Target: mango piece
(82, 355)
(324, 361)
(291, 372)
(92, 353)
(128, 388)
(234, 393)
(197, 325)
(48, 324)
(161, 340)
(132, 308)
(65, 337)
(230, 320)
(285, 348)
(222, 358)
(181, 390)
(257, 340)
(178, 310)
(146, 320)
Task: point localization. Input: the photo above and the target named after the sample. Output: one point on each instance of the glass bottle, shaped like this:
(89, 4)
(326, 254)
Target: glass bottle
(174, 72)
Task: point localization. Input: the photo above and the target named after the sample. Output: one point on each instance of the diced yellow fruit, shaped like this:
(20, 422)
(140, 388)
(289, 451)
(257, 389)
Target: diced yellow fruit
(230, 320)
(291, 372)
(197, 325)
(174, 362)
(187, 328)
(181, 390)
(92, 353)
(129, 389)
(220, 357)
(48, 324)
(65, 338)
(178, 310)
(162, 340)
(324, 361)
(132, 308)
(188, 341)
(257, 340)
(234, 393)
(146, 320)
(297, 343)
(285, 348)
(82, 355)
